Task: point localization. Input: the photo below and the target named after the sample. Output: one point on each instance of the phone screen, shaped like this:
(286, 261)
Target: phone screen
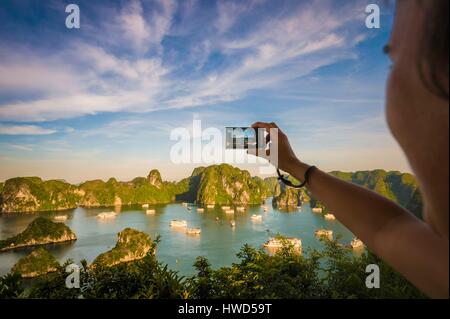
(241, 138)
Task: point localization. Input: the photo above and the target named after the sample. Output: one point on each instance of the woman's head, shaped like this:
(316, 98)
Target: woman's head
(417, 98)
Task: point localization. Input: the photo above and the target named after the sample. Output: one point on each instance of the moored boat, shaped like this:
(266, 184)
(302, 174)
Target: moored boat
(193, 231)
(317, 210)
(145, 205)
(279, 242)
(106, 215)
(356, 243)
(324, 233)
(150, 211)
(329, 217)
(178, 223)
(256, 217)
(60, 218)
(200, 210)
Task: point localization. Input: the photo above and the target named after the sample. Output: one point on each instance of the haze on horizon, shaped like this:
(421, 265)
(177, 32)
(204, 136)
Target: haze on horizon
(101, 101)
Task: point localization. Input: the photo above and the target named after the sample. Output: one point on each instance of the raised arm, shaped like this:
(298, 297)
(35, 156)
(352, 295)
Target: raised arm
(408, 244)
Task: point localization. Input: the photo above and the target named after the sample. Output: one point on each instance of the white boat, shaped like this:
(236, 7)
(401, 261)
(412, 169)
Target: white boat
(240, 208)
(356, 243)
(150, 212)
(226, 207)
(256, 217)
(317, 210)
(210, 206)
(178, 223)
(189, 209)
(200, 210)
(184, 204)
(145, 205)
(233, 223)
(60, 218)
(324, 233)
(193, 231)
(106, 215)
(279, 242)
(229, 211)
(330, 217)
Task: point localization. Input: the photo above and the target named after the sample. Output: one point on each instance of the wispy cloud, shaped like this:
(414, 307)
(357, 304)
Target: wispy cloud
(100, 79)
(24, 130)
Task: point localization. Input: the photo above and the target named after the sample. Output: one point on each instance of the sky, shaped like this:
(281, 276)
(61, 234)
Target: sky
(102, 100)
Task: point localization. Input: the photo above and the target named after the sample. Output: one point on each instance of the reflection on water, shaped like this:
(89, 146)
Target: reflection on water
(218, 241)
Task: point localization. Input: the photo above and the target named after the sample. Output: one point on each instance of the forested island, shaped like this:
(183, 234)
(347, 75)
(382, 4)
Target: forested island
(214, 185)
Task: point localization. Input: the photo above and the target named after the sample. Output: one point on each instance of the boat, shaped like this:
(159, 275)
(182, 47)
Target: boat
(200, 210)
(144, 205)
(184, 204)
(193, 231)
(60, 218)
(240, 208)
(233, 223)
(210, 206)
(107, 215)
(324, 233)
(356, 243)
(330, 217)
(189, 209)
(317, 210)
(150, 211)
(279, 242)
(256, 217)
(229, 211)
(226, 207)
(178, 223)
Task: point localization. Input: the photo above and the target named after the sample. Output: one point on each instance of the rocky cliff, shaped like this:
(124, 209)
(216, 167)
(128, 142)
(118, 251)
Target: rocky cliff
(141, 190)
(30, 194)
(131, 245)
(225, 184)
(39, 262)
(40, 231)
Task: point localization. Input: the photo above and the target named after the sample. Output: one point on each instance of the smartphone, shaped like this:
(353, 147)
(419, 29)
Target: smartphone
(241, 138)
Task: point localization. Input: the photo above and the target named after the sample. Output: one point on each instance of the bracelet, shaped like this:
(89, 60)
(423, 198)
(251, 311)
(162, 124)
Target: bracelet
(284, 178)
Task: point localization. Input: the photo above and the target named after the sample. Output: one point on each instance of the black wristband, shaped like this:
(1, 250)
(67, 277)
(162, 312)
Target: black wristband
(284, 179)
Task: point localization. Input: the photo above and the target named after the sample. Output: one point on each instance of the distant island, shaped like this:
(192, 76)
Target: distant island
(213, 185)
(40, 231)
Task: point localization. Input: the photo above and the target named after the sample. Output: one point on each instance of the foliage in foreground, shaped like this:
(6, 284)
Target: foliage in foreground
(332, 273)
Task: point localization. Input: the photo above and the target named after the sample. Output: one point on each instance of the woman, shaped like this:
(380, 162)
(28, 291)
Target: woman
(417, 112)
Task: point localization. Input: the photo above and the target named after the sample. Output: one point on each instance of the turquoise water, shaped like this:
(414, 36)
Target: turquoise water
(218, 241)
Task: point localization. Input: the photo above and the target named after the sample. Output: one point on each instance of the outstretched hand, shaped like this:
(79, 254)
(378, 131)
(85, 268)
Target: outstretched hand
(286, 159)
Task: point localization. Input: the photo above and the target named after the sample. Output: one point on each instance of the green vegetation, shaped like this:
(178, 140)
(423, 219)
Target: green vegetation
(29, 194)
(38, 262)
(131, 245)
(39, 232)
(225, 184)
(217, 184)
(332, 273)
(273, 185)
(141, 190)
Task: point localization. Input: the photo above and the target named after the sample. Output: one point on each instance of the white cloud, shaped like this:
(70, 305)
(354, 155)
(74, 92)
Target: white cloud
(87, 79)
(24, 130)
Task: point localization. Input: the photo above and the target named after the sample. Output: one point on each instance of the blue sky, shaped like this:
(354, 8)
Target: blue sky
(101, 100)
